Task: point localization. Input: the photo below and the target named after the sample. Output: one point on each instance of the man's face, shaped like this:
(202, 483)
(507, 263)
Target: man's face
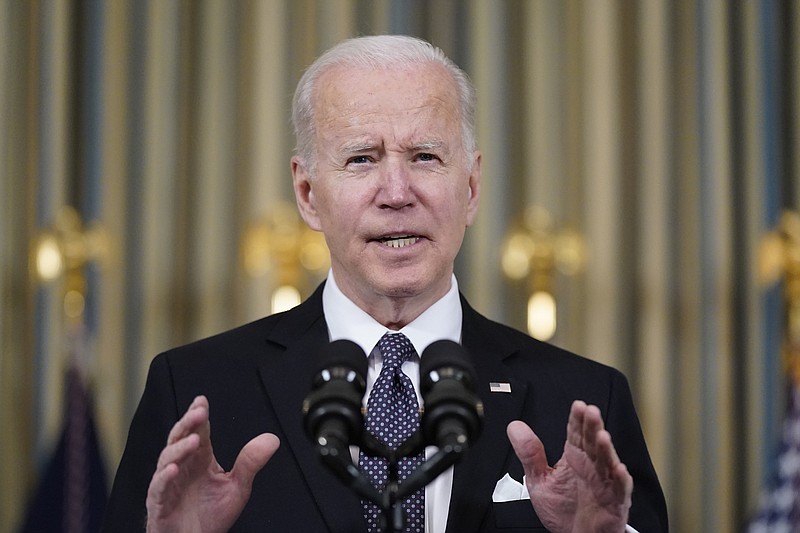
(393, 189)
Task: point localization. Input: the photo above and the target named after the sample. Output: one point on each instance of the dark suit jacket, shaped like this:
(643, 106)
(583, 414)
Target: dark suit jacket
(256, 377)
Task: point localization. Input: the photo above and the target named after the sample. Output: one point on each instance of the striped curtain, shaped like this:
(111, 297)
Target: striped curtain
(664, 132)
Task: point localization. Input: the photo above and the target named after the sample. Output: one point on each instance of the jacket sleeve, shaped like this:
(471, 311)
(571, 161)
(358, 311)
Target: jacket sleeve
(156, 414)
(648, 510)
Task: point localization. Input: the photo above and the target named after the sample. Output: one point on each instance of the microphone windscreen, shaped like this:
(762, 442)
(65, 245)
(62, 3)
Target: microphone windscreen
(445, 353)
(453, 413)
(342, 353)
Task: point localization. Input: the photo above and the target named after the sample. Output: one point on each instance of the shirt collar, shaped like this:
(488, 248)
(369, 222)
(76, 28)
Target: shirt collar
(441, 321)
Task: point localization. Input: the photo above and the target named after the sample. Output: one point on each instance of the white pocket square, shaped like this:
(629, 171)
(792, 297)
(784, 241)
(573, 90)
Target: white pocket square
(509, 489)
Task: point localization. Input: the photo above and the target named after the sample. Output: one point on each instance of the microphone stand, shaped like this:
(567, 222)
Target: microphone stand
(335, 454)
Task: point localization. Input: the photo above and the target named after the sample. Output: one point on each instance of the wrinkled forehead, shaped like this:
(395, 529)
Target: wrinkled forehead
(348, 96)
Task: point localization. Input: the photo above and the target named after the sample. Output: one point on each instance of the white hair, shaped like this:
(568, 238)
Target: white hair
(380, 51)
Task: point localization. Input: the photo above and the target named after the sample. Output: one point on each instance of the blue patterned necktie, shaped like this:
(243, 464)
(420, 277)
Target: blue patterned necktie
(392, 417)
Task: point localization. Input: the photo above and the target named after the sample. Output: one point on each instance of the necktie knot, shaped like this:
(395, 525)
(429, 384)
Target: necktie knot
(395, 349)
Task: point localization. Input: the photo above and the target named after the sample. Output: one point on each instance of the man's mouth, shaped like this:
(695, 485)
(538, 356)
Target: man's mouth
(399, 241)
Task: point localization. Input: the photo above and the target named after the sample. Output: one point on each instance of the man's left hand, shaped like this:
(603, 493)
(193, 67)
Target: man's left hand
(589, 489)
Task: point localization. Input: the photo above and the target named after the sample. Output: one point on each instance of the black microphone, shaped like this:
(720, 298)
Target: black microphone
(453, 416)
(332, 410)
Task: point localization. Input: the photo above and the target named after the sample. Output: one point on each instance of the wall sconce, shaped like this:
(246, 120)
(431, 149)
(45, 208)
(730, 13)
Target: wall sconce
(779, 258)
(63, 251)
(281, 244)
(532, 252)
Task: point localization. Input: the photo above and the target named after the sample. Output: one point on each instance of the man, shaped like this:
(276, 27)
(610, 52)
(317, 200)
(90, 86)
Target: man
(387, 168)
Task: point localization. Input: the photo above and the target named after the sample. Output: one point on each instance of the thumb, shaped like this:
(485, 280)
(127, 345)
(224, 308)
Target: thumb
(529, 450)
(254, 456)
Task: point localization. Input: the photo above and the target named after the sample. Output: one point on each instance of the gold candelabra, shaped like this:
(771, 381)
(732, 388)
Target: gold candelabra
(63, 251)
(533, 252)
(281, 244)
(779, 258)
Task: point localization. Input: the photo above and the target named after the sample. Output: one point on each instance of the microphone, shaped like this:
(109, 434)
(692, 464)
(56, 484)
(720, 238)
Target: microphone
(332, 410)
(453, 416)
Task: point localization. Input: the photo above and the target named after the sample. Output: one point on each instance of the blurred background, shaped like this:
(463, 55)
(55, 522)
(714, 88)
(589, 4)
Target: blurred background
(640, 176)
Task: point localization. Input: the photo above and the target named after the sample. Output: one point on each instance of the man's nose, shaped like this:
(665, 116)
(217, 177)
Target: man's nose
(395, 189)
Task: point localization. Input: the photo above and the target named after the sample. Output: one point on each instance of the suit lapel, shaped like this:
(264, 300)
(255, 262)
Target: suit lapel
(286, 374)
(475, 477)
(287, 379)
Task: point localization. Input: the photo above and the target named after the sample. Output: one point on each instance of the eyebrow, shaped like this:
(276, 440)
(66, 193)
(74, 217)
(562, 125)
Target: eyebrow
(428, 145)
(360, 147)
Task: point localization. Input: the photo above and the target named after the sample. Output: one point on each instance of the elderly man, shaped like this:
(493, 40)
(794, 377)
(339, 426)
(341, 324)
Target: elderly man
(387, 168)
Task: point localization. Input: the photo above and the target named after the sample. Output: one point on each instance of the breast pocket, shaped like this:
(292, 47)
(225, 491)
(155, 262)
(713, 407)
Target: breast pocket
(517, 516)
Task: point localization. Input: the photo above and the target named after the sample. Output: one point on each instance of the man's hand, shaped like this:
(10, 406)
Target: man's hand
(589, 489)
(189, 491)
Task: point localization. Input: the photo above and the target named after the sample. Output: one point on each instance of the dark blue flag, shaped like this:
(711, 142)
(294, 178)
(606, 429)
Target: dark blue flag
(72, 492)
(779, 508)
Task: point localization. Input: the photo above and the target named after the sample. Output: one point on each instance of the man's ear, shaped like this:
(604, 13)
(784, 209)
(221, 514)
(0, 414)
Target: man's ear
(474, 189)
(304, 193)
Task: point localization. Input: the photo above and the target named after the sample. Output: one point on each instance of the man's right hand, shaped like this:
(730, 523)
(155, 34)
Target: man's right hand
(190, 492)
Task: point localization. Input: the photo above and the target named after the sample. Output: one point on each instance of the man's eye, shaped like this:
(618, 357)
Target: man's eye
(426, 157)
(358, 160)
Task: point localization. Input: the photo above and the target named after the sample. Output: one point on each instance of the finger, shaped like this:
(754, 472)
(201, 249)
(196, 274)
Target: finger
(179, 451)
(597, 442)
(529, 450)
(575, 424)
(253, 457)
(160, 492)
(622, 483)
(191, 421)
(606, 458)
(591, 428)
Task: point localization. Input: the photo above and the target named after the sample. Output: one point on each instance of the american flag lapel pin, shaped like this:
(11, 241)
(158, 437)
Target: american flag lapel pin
(495, 386)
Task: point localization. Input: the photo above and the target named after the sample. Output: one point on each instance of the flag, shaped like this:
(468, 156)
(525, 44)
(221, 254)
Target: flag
(779, 506)
(72, 491)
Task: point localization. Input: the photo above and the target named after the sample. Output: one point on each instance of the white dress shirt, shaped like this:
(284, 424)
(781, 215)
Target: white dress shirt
(440, 321)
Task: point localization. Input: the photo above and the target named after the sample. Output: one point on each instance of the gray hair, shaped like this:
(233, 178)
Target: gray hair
(378, 51)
